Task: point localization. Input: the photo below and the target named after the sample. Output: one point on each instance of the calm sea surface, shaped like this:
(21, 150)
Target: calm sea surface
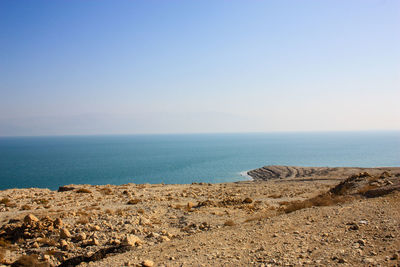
(54, 161)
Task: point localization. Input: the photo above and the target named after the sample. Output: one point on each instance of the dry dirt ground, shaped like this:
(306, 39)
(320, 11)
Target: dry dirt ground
(322, 219)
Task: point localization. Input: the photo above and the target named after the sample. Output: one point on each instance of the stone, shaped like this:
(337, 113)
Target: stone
(91, 242)
(94, 242)
(144, 221)
(81, 236)
(58, 223)
(30, 219)
(65, 188)
(64, 233)
(165, 238)
(115, 242)
(153, 234)
(64, 244)
(369, 260)
(354, 227)
(147, 263)
(131, 240)
(247, 200)
(362, 242)
(46, 218)
(95, 228)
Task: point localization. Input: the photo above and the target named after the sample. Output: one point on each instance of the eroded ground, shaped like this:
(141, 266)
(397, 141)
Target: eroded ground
(233, 224)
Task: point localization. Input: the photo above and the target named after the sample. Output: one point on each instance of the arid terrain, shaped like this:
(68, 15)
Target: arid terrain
(287, 216)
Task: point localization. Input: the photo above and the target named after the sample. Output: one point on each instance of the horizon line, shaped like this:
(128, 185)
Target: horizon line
(204, 133)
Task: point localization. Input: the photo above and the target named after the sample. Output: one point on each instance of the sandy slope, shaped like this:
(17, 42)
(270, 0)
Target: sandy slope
(232, 224)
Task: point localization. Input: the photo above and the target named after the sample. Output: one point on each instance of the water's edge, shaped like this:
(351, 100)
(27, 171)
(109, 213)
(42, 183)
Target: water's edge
(50, 162)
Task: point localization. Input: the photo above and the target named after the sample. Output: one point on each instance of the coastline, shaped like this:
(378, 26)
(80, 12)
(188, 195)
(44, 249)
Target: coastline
(245, 175)
(272, 172)
(143, 159)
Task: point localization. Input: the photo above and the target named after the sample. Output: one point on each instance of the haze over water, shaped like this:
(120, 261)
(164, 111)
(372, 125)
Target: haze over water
(185, 158)
(137, 67)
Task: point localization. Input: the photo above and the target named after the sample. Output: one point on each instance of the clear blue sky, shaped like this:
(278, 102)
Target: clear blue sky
(110, 67)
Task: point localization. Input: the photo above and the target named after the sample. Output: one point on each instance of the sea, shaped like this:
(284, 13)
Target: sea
(53, 161)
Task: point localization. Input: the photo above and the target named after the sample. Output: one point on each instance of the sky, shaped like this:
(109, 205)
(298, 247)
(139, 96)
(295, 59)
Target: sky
(143, 66)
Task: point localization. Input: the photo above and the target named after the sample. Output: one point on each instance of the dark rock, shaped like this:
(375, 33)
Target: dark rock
(65, 188)
(247, 200)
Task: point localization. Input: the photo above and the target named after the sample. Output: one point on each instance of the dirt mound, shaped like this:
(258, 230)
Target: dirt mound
(367, 185)
(359, 185)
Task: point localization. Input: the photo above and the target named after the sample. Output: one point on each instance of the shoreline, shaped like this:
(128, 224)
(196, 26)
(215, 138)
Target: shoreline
(145, 159)
(245, 175)
(272, 172)
(269, 172)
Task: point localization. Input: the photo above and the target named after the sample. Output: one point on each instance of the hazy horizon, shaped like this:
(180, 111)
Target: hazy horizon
(208, 133)
(170, 67)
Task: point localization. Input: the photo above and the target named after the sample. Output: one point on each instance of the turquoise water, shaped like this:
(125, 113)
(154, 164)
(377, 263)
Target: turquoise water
(54, 161)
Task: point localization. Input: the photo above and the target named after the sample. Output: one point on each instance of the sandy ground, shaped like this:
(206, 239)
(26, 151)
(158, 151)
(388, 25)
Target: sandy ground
(255, 223)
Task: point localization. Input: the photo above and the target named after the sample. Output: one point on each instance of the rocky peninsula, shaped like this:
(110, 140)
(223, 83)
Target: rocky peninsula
(286, 216)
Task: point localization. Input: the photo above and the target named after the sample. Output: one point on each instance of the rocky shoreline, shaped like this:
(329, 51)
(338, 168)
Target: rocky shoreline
(314, 173)
(287, 216)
